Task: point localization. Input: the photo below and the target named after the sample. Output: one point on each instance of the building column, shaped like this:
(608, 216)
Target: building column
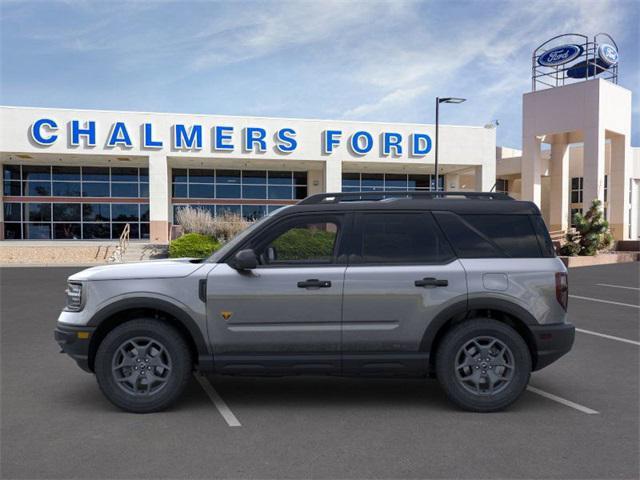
(485, 177)
(332, 175)
(593, 164)
(531, 170)
(559, 201)
(618, 187)
(314, 181)
(452, 182)
(159, 198)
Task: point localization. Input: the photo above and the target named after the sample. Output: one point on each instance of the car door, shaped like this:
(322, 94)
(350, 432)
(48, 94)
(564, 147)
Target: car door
(401, 275)
(285, 315)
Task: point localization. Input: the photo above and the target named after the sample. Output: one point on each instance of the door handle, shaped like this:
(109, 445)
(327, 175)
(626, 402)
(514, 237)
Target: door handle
(431, 282)
(314, 283)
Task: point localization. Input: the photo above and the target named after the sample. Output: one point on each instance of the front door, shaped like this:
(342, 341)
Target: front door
(285, 315)
(402, 274)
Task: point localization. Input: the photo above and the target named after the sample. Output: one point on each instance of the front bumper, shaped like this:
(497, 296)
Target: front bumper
(75, 341)
(552, 342)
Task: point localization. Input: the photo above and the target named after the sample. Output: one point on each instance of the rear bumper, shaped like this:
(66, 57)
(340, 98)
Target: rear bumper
(552, 342)
(74, 341)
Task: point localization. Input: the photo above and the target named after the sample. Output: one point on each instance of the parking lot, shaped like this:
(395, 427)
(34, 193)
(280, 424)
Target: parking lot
(579, 419)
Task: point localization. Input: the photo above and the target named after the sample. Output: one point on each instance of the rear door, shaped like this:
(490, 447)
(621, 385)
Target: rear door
(401, 274)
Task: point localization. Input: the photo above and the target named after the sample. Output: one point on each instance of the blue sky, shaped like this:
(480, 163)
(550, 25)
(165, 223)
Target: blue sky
(368, 60)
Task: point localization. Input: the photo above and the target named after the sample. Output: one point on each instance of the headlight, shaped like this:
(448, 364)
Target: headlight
(74, 297)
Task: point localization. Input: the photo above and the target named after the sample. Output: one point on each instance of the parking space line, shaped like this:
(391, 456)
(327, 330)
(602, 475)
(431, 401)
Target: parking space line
(616, 286)
(217, 400)
(563, 401)
(610, 337)
(605, 301)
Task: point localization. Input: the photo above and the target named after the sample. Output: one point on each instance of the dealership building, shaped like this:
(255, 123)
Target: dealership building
(86, 174)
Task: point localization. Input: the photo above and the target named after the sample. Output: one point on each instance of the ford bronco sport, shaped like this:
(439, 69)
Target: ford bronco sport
(462, 286)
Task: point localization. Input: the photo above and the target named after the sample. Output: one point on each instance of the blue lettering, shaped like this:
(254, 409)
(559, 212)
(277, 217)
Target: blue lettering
(391, 140)
(89, 131)
(221, 137)
(186, 139)
(330, 141)
(253, 136)
(119, 136)
(36, 131)
(147, 138)
(356, 144)
(286, 141)
(421, 144)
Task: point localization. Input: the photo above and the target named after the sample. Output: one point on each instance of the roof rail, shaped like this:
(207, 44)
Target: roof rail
(390, 194)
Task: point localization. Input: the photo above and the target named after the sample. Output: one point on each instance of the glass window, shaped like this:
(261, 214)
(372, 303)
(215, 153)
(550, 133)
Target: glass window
(402, 238)
(37, 212)
(144, 174)
(96, 212)
(124, 174)
(179, 190)
(37, 231)
(66, 173)
(467, 242)
(66, 212)
(372, 180)
(280, 192)
(96, 231)
(11, 172)
(514, 234)
(117, 229)
(254, 212)
(144, 230)
(95, 174)
(544, 239)
(280, 178)
(70, 231)
(66, 189)
(200, 175)
(254, 177)
(179, 175)
(12, 212)
(37, 189)
(351, 180)
(417, 182)
(95, 189)
(124, 190)
(502, 186)
(228, 191)
(144, 212)
(228, 176)
(394, 181)
(124, 212)
(12, 189)
(232, 209)
(302, 242)
(12, 231)
(254, 191)
(300, 178)
(300, 192)
(36, 172)
(197, 190)
(144, 190)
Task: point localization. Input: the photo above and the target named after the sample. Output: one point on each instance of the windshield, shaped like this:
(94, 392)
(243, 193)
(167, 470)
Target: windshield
(231, 244)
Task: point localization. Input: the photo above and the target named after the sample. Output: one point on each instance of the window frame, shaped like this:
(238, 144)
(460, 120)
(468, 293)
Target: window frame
(355, 249)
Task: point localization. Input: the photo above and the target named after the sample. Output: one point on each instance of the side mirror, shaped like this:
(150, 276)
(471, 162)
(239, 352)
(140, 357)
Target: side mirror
(245, 260)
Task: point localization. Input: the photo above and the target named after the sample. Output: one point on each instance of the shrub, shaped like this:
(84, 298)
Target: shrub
(193, 245)
(302, 243)
(591, 235)
(222, 227)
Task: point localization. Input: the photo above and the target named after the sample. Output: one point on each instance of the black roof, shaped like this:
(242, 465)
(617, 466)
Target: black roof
(457, 202)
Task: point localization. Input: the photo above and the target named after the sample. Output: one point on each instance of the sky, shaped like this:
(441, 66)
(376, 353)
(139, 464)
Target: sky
(346, 60)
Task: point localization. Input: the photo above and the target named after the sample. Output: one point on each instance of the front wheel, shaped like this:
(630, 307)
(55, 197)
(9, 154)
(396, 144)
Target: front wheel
(143, 365)
(483, 365)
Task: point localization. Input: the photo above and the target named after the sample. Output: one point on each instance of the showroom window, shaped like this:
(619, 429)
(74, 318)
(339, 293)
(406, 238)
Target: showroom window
(368, 182)
(110, 204)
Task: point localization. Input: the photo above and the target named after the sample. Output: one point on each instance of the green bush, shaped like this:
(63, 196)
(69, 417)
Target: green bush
(591, 233)
(193, 245)
(303, 243)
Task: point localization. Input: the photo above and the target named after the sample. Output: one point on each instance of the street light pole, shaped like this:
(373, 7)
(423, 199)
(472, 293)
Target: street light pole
(438, 102)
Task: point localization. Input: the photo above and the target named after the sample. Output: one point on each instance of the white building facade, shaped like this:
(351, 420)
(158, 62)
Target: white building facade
(85, 174)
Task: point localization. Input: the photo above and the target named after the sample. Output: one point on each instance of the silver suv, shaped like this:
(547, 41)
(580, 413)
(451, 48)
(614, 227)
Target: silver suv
(462, 286)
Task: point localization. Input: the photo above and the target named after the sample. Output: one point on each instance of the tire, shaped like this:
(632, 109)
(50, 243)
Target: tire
(143, 365)
(475, 384)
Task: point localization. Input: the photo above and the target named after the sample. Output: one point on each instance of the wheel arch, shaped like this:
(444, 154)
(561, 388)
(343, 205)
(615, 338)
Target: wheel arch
(121, 311)
(497, 309)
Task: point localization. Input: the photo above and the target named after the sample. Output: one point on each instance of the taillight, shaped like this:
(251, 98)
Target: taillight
(562, 289)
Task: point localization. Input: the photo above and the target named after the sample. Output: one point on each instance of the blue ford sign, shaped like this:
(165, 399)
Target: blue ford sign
(560, 55)
(608, 54)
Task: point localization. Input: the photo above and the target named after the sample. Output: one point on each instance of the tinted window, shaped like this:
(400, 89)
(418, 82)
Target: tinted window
(543, 236)
(466, 242)
(402, 238)
(514, 234)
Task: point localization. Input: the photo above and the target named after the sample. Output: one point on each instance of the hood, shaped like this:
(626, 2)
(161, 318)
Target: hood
(175, 268)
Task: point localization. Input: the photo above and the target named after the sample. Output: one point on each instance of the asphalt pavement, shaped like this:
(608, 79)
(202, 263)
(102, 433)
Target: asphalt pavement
(580, 420)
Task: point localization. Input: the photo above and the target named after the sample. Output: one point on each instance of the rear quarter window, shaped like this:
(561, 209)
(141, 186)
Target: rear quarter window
(513, 234)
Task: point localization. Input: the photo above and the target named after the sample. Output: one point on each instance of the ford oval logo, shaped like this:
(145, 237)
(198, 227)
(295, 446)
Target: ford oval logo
(608, 54)
(560, 55)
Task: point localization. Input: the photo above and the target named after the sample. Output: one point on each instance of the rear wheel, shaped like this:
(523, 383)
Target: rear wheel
(143, 365)
(483, 365)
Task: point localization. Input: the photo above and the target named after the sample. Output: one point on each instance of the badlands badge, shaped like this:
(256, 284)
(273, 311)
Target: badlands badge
(226, 315)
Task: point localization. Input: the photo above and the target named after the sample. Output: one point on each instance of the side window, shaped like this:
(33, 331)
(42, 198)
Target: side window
(300, 242)
(467, 242)
(402, 237)
(514, 234)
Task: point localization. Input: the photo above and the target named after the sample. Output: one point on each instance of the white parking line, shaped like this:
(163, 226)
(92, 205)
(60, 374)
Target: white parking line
(217, 400)
(616, 286)
(563, 401)
(610, 337)
(605, 301)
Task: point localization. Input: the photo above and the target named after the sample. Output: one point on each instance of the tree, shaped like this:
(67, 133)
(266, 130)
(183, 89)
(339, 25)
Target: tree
(591, 233)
